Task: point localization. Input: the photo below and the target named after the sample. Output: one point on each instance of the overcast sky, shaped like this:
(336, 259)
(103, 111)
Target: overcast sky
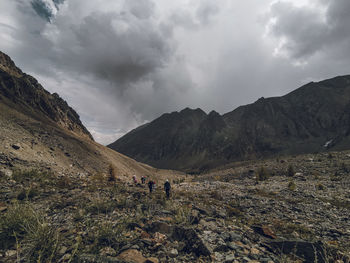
(122, 63)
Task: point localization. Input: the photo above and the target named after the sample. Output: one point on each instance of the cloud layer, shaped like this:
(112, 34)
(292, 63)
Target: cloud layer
(121, 63)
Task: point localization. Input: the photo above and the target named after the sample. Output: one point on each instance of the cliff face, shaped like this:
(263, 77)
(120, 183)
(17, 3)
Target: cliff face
(22, 91)
(313, 118)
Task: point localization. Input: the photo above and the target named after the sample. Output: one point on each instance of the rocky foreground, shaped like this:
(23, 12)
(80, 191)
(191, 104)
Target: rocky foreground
(292, 209)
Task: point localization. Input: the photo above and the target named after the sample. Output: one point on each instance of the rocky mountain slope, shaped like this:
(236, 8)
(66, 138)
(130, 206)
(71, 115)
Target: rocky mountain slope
(313, 118)
(232, 215)
(38, 130)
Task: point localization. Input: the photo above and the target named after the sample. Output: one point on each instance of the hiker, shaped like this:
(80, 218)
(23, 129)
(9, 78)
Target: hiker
(167, 188)
(150, 186)
(143, 179)
(134, 179)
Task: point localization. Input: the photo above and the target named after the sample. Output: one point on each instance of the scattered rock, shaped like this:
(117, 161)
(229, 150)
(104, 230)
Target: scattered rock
(132, 256)
(173, 253)
(16, 146)
(10, 253)
(265, 231)
(107, 251)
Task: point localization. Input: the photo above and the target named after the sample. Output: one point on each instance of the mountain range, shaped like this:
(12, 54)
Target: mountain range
(312, 118)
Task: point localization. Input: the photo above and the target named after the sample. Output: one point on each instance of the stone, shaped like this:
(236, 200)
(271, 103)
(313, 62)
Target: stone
(229, 258)
(235, 237)
(10, 253)
(63, 250)
(132, 256)
(264, 231)
(193, 242)
(173, 253)
(144, 234)
(16, 146)
(3, 207)
(254, 251)
(160, 238)
(160, 227)
(107, 251)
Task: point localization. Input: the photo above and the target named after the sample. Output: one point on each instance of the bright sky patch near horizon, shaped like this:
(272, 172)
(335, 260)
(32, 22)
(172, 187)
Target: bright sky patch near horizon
(122, 63)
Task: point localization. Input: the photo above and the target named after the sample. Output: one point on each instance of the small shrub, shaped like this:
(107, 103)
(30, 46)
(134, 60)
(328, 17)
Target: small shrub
(216, 195)
(290, 171)
(233, 211)
(112, 174)
(183, 215)
(13, 222)
(262, 174)
(291, 185)
(63, 182)
(40, 243)
(99, 206)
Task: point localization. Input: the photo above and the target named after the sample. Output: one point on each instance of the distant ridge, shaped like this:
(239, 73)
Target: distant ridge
(313, 118)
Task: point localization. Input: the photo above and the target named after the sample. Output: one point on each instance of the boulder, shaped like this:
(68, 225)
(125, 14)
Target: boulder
(193, 243)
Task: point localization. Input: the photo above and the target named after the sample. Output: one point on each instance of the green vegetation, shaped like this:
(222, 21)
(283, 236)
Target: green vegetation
(291, 185)
(112, 173)
(262, 174)
(24, 227)
(290, 171)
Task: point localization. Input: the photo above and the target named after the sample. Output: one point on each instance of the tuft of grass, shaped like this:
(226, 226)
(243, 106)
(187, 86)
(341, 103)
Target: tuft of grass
(28, 193)
(291, 185)
(290, 171)
(101, 206)
(112, 173)
(262, 174)
(13, 222)
(215, 194)
(41, 242)
(35, 239)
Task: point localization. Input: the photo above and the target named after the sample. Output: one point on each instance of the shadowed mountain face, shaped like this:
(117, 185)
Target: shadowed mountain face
(313, 118)
(23, 92)
(38, 130)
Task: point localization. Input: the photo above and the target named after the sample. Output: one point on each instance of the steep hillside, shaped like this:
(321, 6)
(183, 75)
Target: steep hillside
(38, 130)
(313, 118)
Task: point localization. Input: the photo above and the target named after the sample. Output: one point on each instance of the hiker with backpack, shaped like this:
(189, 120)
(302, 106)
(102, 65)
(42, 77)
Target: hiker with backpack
(150, 186)
(143, 179)
(167, 188)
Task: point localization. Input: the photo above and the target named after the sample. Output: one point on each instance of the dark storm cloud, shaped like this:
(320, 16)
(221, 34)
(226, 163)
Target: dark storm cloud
(46, 8)
(307, 30)
(122, 48)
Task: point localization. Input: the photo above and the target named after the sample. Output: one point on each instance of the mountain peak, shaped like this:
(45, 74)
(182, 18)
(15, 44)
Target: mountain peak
(7, 65)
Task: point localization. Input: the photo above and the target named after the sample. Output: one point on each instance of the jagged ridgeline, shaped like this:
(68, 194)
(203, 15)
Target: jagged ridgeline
(313, 118)
(18, 89)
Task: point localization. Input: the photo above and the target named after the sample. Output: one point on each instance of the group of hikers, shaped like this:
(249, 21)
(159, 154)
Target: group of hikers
(151, 185)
